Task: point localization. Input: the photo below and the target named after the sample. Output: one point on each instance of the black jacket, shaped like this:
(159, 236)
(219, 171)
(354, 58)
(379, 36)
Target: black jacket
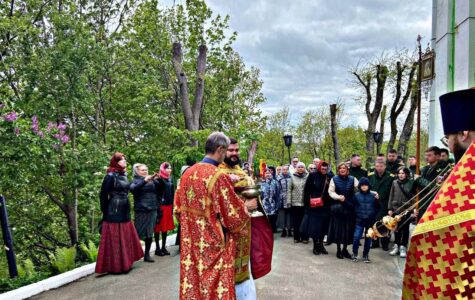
(315, 187)
(166, 193)
(145, 194)
(115, 205)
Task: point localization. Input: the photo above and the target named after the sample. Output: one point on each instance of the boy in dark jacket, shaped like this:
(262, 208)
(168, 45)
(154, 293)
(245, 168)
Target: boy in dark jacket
(366, 207)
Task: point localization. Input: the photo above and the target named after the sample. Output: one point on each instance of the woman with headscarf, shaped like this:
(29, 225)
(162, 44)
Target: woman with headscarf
(120, 245)
(144, 187)
(295, 196)
(317, 205)
(342, 189)
(166, 196)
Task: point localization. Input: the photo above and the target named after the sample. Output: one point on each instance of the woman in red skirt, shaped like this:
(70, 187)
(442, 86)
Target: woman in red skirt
(120, 245)
(165, 195)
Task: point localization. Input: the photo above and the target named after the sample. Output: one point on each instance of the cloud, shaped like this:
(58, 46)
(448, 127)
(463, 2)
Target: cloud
(304, 48)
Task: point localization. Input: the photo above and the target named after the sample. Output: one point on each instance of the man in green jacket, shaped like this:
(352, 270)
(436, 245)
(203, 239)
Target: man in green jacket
(426, 181)
(392, 162)
(381, 182)
(355, 167)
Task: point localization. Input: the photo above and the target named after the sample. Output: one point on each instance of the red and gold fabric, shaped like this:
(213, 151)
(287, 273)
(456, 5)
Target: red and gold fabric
(212, 219)
(441, 259)
(243, 245)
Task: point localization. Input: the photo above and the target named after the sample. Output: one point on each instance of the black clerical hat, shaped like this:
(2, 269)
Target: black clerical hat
(458, 111)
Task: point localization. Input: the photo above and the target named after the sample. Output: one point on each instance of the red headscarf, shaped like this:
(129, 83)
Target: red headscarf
(114, 163)
(320, 164)
(163, 170)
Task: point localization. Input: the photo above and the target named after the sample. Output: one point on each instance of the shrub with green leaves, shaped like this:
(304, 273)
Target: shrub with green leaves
(63, 260)
(90, 251)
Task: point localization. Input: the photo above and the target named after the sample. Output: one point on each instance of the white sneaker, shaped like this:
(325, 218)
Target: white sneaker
(394, 251)
(403, 252)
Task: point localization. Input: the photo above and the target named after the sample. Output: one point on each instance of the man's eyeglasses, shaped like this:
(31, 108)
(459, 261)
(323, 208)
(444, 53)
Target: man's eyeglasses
(445, 141)
(312, 168)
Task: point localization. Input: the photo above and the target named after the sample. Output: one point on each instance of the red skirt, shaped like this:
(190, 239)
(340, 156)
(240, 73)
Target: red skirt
(166, 222)
(262, 246)
(119, 248)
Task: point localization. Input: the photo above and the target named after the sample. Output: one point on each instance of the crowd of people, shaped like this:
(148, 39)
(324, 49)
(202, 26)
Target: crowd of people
(311, 202)
(228, 223)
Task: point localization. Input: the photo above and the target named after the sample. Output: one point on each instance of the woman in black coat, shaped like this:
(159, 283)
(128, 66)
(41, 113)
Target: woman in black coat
(145, 187)
(318, 212)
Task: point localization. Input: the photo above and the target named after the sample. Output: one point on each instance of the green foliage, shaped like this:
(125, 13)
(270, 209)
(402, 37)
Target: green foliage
(63, 260)
(90, 250)
(104, 70)
(27, 269)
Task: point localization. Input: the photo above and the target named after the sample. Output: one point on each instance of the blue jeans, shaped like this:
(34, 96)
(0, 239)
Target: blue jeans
(359, 228)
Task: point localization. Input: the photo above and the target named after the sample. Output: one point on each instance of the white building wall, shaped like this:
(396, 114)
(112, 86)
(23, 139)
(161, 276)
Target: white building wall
(464, 66)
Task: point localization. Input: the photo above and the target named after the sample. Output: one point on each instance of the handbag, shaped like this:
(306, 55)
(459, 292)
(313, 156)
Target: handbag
(318, 202)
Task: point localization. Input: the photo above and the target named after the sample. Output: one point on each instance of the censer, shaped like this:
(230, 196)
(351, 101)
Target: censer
(384, 227)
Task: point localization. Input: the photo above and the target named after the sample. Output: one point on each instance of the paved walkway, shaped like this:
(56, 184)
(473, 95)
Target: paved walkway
(296, 274)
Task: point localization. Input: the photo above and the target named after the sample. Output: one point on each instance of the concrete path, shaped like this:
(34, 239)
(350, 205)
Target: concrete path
(296, 274)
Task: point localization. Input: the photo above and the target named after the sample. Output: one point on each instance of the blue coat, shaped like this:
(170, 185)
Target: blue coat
(366, 206)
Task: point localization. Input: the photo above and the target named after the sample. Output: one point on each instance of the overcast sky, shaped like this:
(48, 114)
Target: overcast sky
(305, 47)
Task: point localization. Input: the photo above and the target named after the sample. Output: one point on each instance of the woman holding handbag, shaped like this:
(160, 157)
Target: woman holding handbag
(317, 205)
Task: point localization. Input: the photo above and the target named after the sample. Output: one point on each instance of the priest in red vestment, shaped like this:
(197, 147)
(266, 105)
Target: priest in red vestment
(212, 218)
(441, 260)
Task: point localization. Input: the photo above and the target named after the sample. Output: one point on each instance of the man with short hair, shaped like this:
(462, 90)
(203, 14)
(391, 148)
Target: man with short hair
(412, 164)
(316, 161)
(278, 172)
(440, 260)
(381, 181)
(444, 155)
(212, 218)
(356, 170)
(392, 162)
(426, 180)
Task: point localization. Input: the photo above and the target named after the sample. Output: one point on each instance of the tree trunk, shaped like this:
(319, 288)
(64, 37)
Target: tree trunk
(408, 127)
(252, 153)
(373, 115)
(381, 127)
(333, 125)
(192, 114)
(72, 224)
(398, 104)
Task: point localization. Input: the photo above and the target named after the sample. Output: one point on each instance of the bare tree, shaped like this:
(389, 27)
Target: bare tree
(408, 126)
(400, 100)
(366, 78)
(192, 113)
(334, 129)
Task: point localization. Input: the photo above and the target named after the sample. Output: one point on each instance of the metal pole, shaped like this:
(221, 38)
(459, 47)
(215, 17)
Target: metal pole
(8, 239)
(290, 160)
(418, 132)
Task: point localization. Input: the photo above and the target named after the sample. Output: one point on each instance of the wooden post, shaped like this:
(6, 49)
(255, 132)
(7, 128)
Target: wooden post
(418, 130)
(7, 239)
(333, 125)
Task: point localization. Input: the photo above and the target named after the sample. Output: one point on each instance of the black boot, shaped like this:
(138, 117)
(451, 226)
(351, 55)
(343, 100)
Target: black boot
(322, 249)
(345, 253)
(290, 233)
(339, 255)
(158, 251)
(164, 242)
(284, 233)
(316, 248)
(148, 245)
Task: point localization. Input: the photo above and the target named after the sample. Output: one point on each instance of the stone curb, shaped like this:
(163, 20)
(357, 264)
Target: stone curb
(60, 279)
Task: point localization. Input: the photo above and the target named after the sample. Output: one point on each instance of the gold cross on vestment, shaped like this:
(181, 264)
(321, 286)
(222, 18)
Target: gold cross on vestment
(194, 176)
(187, 263)
(185, 285)
(232, 210)
(202, 245)
(220, 290)
(201, 267)
(224, 193)
(190, 194)
(202, 224)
